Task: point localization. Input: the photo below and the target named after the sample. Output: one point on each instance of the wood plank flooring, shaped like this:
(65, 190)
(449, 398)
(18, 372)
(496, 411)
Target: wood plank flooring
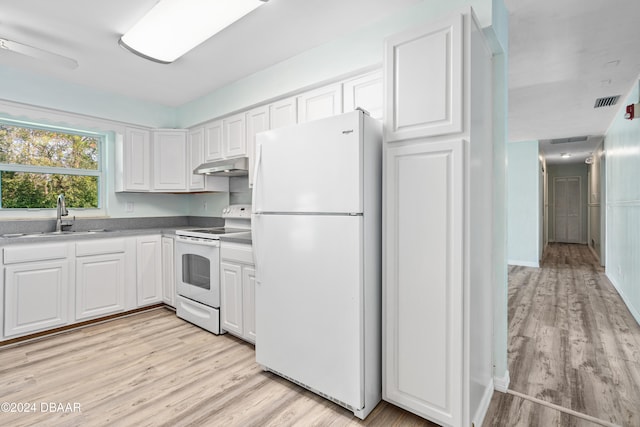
(572, 342)
(153, 369)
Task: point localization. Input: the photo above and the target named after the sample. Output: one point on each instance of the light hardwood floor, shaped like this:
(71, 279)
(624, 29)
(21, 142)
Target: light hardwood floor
(153, 369)
(572, 342)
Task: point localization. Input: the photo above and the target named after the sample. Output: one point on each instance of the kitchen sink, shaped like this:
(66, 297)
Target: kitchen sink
(52, 234)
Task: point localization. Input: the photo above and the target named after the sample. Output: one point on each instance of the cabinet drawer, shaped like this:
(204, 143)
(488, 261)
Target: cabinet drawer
(237, 252)
(26, 253)
(100, 246)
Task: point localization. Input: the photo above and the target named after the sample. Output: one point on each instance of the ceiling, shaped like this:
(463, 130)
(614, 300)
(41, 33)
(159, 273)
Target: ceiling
(563, 54)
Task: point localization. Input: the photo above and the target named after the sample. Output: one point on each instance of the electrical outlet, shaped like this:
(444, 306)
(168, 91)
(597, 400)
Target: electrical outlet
(204, 206)
(129, 207)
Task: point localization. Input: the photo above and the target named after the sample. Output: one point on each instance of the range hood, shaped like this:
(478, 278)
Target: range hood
(225, 167)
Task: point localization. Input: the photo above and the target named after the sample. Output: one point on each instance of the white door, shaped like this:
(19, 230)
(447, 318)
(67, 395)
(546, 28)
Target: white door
(423, 282)
(35, 296)
(195, 149)
(309, 314)
(313, 167)
(567, 202)
(320, 103)
(149, 269)
(170, 160)
(137, 160)
(213, 141)
(283, 113)
(168, 272)
(100, 285)
(426, 68)
(364, 92)
(231, 297)
(257, 121)
(234, 139)
(249, 302)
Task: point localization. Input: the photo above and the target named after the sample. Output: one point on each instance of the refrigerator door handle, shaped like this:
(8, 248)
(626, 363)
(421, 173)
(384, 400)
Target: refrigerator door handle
(255, 217)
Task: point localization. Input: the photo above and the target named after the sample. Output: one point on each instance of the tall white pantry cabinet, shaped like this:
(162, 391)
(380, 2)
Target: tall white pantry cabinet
(437, 292)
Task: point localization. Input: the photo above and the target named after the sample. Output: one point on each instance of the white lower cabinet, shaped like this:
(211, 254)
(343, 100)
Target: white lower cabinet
(237, 290)
(168, 272)
(36, 296)
(100, 278)
(149, 270)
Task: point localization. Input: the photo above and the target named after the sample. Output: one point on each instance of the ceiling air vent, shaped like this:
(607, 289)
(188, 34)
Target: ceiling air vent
(566, 140)
(606, 102)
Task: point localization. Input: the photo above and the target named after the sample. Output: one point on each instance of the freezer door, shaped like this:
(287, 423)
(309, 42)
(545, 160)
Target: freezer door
(312, 167)
(309, 312)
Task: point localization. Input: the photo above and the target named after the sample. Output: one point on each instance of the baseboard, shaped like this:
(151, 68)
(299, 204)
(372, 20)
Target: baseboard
(626, 301)
(501, 384)
(535, 264)
(483, 407)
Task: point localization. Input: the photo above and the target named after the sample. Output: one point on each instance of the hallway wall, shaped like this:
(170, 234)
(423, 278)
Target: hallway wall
(622, 155)
(523, 199)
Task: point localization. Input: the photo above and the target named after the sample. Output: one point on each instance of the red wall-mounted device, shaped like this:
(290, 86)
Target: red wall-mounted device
(632, 111)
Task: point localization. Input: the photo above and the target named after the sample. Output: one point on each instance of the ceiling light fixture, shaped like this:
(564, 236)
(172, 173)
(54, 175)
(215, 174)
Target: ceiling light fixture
(174, 27)
(565, 155)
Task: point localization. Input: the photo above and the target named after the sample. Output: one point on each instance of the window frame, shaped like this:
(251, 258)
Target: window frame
(99, 172)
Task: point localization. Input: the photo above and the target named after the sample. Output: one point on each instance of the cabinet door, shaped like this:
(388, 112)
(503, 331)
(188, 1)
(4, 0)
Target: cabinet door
(100, 285)
(168, 272)
(170, 160)
(249, 303)
(213, 141)
(423, 283)
(137, 160)
(231, 316)
(36, 297)
(364, 92)
(235, 136)
(320, 103)
(257, 121)
(423, 81)
(195, 148)
(149, 270)
(283, 113)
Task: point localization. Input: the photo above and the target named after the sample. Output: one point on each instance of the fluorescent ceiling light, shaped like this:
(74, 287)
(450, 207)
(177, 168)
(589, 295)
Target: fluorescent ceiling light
(174, 27)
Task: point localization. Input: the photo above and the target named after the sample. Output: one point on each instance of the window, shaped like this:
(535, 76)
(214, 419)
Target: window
(38, 163)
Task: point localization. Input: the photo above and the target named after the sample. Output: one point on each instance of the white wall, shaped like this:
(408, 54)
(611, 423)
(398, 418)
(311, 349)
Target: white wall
(622, 154)
(523, 210)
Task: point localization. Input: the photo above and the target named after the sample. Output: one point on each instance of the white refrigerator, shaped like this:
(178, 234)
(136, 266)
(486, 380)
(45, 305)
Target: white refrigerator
(316, 237)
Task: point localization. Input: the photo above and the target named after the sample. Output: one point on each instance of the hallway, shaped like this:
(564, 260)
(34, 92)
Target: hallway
(572, 343)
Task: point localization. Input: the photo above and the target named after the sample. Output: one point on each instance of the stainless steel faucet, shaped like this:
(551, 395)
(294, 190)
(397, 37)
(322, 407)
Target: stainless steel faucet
(61, 211)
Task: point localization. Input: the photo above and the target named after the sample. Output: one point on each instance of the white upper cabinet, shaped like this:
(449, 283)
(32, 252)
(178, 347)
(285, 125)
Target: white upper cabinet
(136, 159)
(195, 151)
(364, 92)
(170, 160)
(283, 113)
(257, 121)
(213, 141)
(424, 69)
(234, 141)
(320, 103)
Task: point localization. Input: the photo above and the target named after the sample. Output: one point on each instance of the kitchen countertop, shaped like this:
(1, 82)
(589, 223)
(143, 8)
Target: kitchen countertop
(83, 235)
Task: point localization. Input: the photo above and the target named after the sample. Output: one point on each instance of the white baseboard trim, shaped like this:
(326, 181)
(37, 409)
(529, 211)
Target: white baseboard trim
(501, 384)
(535, 264)
(626, 301)
(483, 407)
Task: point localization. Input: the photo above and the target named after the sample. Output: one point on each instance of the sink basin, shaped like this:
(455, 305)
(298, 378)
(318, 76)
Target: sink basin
(52, 233)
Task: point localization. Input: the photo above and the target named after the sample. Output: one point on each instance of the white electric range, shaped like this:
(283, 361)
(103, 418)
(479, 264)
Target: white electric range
(198, 268)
